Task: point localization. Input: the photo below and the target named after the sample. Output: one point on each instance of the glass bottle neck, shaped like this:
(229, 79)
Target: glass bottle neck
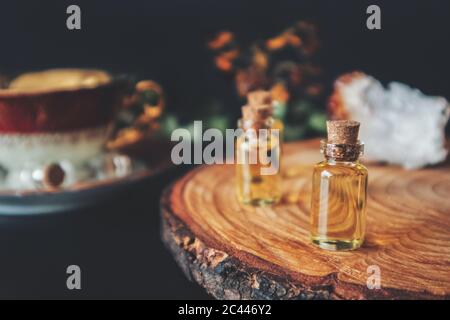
(246, 124)
(333, 161)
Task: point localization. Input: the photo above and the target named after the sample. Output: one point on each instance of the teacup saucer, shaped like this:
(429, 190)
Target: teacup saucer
(100, 178)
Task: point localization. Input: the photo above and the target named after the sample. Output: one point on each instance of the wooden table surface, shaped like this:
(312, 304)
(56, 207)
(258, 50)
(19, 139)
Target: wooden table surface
(236, 251)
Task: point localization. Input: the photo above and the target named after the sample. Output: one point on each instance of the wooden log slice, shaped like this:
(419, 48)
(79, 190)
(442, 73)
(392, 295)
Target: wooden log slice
(241, 252)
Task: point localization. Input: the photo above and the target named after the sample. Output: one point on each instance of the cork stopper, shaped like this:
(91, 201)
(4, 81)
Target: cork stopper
(259, 107)
(259, 97)
(257, 113)
(247, 112)
(343, 132)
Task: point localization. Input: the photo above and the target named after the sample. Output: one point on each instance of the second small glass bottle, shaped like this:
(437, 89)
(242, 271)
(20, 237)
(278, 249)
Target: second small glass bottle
(258, 151)
(338, 217)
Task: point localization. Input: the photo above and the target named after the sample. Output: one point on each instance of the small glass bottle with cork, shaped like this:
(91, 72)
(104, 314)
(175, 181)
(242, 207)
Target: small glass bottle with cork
(338, 217)
(262, 97)
(258, 151)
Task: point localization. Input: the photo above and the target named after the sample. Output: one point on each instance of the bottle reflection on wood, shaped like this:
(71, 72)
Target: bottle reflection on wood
(339, 193)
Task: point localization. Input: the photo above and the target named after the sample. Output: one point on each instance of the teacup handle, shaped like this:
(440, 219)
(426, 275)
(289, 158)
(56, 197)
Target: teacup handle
(140, 111)
(151, 111)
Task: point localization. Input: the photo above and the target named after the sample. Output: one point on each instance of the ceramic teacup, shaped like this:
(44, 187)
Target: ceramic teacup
(58, 115)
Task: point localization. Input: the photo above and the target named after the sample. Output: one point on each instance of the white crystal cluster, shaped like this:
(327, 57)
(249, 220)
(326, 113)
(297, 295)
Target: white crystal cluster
(399, 125)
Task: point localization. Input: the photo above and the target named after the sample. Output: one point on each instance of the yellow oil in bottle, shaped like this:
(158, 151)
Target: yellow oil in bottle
(279, 125)
(258, 151)
(258, 182)
(339, 196)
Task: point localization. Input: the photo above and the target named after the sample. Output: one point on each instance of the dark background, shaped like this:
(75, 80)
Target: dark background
(166, 40)
(117, 244)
